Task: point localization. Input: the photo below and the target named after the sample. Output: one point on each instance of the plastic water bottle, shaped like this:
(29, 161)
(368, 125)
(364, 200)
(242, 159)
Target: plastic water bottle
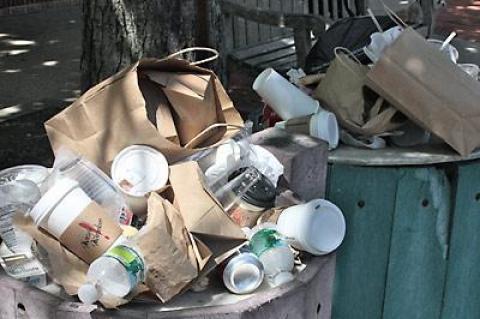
(113, 275)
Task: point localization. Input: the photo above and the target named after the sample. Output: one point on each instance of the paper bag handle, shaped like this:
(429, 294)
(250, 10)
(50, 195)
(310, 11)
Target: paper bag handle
(214, 53)
(208, 129)
(393, 16)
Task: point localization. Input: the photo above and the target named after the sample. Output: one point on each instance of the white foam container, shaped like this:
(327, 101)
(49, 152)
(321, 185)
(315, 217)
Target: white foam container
(283, 97)
(324, 125)
(145, 169)
(317, 227)
(60, 206)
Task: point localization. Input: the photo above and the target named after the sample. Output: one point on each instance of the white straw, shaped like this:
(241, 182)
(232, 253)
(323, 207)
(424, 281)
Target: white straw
(447, 40)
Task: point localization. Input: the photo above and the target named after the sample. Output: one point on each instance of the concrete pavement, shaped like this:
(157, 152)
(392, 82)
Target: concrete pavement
(39, 60)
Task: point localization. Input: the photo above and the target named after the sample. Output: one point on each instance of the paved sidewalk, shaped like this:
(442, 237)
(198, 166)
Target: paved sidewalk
(461, 16)
(39, 60)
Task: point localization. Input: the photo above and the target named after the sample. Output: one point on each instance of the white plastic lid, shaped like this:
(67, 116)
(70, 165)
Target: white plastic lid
(88, 293)
(51, 198)
(139, 169)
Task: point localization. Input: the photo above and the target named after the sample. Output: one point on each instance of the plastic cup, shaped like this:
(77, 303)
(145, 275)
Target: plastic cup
(60, 206)
(450, 51)
(322, 125)
(471, 69)
(317, 227)
(138, 170)
(283, 97)
(35, 173)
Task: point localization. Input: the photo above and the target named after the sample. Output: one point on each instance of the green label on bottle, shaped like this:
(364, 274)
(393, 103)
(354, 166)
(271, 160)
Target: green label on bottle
(132, 262)
(266, 239)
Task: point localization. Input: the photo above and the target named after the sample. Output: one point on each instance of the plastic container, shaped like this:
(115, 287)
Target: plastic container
(449, 51)
(83, 226)
(381, 40)
(17, 197)
(96, 184)
(253, 200)
(471, 69)
(138, 170)
(283, 97)
(317, 227)
(35, 173)
(412, 135)
(243, 273)
(113, 275)
(274, 253)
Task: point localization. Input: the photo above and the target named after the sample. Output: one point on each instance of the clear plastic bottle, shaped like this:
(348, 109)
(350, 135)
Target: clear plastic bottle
(113, 275)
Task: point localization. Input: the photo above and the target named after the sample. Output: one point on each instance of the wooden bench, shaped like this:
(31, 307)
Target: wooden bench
(276, 37)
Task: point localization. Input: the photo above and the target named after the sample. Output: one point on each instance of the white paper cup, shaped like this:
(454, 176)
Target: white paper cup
(471, 69)
(317, 227)
(138, 170)
(60, 206)
(283, 97)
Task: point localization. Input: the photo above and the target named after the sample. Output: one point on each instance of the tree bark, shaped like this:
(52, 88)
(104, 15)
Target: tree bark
(117, 33)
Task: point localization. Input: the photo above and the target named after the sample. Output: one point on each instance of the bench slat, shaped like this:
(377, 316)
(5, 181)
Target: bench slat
(264, 48)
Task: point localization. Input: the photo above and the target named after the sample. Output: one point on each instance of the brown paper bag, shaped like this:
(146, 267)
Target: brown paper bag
(165, 243)
(112, 115)
(342, 91)
(202, 214)
(429, 89)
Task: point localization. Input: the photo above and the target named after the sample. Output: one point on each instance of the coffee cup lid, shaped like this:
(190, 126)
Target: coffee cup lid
(51, 198)
(140, 169)
(262, 193)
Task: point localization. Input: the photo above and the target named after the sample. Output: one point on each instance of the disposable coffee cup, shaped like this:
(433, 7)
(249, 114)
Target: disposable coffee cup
(471, 69)
(283, 97)
(322, 125)
(317, 227)
(83, 226)
(138, 170)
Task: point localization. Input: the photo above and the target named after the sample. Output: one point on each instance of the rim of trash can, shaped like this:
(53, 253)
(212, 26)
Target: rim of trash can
(398, 156)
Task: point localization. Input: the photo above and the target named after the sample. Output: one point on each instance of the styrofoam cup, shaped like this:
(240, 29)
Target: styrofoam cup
(317, 227)
(324, 125)
(138, 170)
(283, 97)
(60, 206)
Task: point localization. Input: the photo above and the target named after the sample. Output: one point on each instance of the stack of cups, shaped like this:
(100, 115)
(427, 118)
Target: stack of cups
(289, 103)
(317, 227)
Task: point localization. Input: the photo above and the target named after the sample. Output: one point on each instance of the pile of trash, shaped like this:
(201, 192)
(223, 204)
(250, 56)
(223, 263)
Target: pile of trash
(410, 91)
(155, 184)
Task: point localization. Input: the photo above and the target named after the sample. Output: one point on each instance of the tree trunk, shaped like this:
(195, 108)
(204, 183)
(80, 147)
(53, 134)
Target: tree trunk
(119, 32)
